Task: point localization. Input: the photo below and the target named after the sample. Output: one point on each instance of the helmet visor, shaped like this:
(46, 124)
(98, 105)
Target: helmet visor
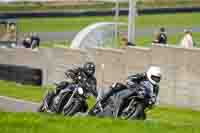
(156, 79)
(91, 71)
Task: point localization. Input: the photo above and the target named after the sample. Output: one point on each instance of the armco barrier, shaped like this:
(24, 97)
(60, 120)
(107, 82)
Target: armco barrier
(181, 75)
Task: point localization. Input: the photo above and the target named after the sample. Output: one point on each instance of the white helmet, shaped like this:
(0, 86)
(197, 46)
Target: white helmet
(154, 74)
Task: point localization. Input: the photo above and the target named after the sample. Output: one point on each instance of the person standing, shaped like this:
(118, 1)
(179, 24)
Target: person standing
(161, 37)
(26, 42)
(125, 43)
(187, 40)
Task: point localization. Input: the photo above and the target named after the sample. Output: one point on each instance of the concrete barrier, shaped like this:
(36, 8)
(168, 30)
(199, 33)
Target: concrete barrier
(61, 60)
(137, 60)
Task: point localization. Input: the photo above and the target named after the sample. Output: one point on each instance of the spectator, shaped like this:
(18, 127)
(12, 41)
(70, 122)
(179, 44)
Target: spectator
(27, 42)
(12, 32)
(161, 37)
(12, 27)
(187, 41)
(35, 41)
(125, 43)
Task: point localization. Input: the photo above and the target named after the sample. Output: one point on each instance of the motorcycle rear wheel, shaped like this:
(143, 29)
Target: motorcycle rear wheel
(137, 112)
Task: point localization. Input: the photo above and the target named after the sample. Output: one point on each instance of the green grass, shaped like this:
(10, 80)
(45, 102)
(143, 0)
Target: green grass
(163, 120)
(26, 92)
(55, 44)
(78, 23)
(39, 6)
(54, 7)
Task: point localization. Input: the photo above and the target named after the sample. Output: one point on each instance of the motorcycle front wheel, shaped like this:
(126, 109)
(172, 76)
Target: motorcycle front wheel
(47, 101)
(41, 108)
(74, 107)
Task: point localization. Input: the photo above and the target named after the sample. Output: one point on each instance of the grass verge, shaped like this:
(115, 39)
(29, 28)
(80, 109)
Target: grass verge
(39, 6)
(161, 120)
(78, 23)
(42, 6)
(26, 92)
(55, 44)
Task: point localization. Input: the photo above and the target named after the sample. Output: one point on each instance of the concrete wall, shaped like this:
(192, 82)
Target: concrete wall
(181, 76)
(181, 73)
(53, 62)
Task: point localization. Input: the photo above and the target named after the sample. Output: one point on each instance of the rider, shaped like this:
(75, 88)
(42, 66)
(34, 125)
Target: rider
(83, 76)
(149, 79)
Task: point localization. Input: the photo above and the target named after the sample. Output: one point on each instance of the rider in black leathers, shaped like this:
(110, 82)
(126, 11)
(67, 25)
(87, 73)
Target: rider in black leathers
(84, 76)
(148, 80)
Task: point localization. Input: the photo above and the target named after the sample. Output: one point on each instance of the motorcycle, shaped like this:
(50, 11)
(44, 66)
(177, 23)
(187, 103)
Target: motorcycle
(70, 100)
(125, 104)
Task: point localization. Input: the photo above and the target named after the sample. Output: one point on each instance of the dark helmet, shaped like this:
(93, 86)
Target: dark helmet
(162, 29)
(89, 68)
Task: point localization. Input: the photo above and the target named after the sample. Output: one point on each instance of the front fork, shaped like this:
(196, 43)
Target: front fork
(70, 99)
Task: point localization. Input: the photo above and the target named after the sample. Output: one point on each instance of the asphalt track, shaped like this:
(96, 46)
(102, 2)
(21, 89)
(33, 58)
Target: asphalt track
(16, 105)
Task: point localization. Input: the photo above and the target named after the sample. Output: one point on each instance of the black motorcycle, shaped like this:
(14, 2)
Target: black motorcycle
(125, 103)
(70, 100)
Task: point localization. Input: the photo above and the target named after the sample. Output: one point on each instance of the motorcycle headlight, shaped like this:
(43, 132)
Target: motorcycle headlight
(80, 90)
